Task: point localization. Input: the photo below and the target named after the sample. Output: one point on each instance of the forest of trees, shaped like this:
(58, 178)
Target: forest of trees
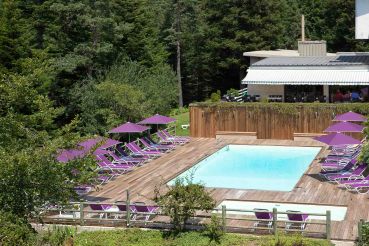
(70, 68)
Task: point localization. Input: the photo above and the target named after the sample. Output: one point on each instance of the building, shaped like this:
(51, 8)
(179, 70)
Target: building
(309, 74)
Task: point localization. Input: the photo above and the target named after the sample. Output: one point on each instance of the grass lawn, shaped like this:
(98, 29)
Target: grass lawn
(182, 119)
(152, 238)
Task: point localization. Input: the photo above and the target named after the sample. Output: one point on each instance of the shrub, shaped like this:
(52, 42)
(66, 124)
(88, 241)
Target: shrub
(214, 229)
(57, 236)
(365, 235)
(232, 92)
(15, 231)
(182, 200)
(215, 96)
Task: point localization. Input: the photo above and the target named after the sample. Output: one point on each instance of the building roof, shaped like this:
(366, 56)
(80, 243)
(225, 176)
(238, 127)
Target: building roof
(325, 61)
(275, 53)
(301, 76)
(271, 53)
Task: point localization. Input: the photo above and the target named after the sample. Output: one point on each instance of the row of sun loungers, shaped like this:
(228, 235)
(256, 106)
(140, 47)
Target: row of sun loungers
(342, 168)
(296, 219)
(138, 210)
(118, 160)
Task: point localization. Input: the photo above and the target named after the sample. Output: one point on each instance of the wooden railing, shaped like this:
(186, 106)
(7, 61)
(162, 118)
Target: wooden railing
(265, 119)
(80, 213)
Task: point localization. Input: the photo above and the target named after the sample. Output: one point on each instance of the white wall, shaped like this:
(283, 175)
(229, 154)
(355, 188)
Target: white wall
(265, 90)
(362, 19)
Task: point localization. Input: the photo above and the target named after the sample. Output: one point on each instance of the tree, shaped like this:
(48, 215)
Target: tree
(128, 92)
(182, 200)
(13, 29)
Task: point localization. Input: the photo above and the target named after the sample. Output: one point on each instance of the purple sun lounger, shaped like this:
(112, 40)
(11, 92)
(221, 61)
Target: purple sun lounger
(144, 211)
(339, 170)
(264, 217)
(340, 157)
(123, 208)
(166, 133)
(157, 147)
(137, 150)
(354, 180)
(121, 168)
(104, 208)
(329, 166)
(107, 161)
(342, 177)
(166, 140)
(124, 154)
(127, 159)
(82, 189)
(296, 216)
(359, 187)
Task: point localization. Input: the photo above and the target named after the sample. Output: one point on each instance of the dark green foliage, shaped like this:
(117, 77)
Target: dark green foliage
(182, 200)
(15, 231)
(365, 235)
(128, 92)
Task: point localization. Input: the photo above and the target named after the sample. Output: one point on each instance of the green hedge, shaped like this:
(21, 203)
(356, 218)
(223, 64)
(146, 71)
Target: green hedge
(145, 238)
(288, 108)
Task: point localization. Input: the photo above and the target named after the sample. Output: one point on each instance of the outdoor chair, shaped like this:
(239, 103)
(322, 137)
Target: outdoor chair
(105, 209)
(127, 159)
(134, 148)
(123, 208)
(158, 147)
(144, 212)
(296, 219)
(264, 217)
(357, 173)
(123, 153)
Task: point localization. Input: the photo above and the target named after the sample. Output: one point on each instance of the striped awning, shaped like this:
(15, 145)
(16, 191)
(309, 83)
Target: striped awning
(306, 77)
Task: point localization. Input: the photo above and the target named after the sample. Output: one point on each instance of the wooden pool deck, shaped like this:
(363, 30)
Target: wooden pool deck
(309, 189)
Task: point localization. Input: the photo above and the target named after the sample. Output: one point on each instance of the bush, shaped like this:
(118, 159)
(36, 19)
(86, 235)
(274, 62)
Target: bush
(215, 96)
(292, 240)
(15, 231)
(365, 235)
(214, 229)
(178, 111)
(182, 200)
(57, 236)
(232, 92)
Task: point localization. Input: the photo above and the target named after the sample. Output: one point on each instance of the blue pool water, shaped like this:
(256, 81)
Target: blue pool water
(257, 167)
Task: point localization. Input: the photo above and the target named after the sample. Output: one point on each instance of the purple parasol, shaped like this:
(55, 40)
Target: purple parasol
(109, 143)
(350, 116)
(157, 119)
(101, 152)
(129, 128)
(335, 139)
(70, 154)
(90, 143)
(345, 127)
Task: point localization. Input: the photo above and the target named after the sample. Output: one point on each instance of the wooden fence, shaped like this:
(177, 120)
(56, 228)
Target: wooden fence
(268, 122)
(80, 213)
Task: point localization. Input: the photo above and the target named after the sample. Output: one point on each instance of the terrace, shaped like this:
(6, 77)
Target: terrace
(309, 190)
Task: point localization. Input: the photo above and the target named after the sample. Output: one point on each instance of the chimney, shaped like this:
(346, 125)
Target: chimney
(310, 48)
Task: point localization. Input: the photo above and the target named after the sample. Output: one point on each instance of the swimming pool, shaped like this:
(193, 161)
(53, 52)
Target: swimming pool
(257, 167)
